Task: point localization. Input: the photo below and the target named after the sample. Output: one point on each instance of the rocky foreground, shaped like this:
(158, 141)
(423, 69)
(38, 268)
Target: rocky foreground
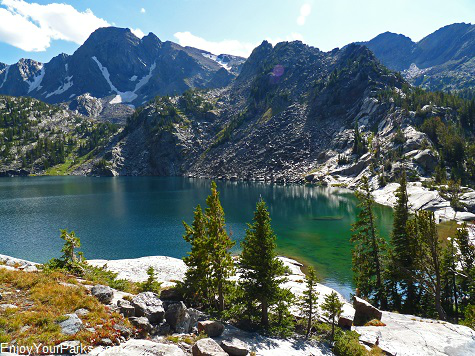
(401, 335)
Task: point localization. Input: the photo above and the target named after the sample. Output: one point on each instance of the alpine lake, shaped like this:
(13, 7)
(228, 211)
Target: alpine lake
(130, 217)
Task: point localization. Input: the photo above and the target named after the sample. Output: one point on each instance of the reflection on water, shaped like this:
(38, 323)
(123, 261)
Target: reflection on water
(131, 217)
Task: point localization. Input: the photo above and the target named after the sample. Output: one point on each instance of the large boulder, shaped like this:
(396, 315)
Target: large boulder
(171, 294)
(71, 325)
(140, 348)
(103, 293)
(427, 159)
(126, 308)
(178, 318)
(364, 312)
(235, 347)
(207, 347)
(211, 328)
(149, 305)
(142, 324)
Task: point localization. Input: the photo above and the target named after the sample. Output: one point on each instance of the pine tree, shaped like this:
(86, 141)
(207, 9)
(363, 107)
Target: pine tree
(221, 262)
(262, 271)
(198, 275)
(466, 261)
(401, 254)
(332, 307)
(428, 259)
(368, 249)
(309, 300)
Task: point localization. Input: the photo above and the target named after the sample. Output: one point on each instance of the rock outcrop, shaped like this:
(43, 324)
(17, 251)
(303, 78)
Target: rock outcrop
(149, 305)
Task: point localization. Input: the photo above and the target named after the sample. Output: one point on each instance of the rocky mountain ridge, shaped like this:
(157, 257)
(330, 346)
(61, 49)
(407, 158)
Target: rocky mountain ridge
(443, 60)
(115, 64)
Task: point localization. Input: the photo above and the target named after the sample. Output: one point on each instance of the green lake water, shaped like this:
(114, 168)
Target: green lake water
(128, 217)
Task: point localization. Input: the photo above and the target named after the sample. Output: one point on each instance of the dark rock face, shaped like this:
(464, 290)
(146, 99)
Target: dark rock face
(364, 312)
(272, 123)
(442, 60)
(114, 63)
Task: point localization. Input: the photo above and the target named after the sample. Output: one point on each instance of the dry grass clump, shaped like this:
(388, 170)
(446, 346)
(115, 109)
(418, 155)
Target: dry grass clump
(42, 300)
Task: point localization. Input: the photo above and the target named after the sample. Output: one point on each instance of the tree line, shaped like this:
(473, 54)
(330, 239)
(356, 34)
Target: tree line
(416, 271)
(256, 299)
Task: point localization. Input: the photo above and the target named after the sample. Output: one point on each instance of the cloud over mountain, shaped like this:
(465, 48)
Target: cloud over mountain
(32, 26)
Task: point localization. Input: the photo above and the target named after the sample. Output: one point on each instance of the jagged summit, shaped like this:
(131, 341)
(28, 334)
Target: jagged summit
(441, 60)
(114, 63)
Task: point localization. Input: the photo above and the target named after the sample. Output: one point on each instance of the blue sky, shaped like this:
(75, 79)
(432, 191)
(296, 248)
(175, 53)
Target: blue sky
(41, 29)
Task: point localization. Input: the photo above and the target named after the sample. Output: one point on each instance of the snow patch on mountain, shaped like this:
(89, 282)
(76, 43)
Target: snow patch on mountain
(63, 88)
(6, 70)
(35, 83)
(218, 60)
(127, 96)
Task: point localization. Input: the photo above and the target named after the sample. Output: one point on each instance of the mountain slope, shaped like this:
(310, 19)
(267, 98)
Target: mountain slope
(38, 138)
(114, 63)
(274, 122)
(444, 60)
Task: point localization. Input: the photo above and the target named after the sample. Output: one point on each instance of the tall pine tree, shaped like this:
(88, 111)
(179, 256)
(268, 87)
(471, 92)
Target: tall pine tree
(309, 300)
(262, 271)
(400, 263)
(209, 263)
(368, 249)
(198, 275)
(219, 244)
(428, 259)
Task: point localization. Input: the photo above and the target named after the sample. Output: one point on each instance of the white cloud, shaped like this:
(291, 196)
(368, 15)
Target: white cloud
(305, 10)
(234, 47)
(226, 46)
(137, 32)
(142, 10)
(32, 27)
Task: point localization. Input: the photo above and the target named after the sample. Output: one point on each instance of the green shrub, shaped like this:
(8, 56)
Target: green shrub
(347, 344)
(151, 284)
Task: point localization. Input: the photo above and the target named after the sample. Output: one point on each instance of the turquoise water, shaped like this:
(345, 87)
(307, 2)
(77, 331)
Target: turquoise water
(130, 217)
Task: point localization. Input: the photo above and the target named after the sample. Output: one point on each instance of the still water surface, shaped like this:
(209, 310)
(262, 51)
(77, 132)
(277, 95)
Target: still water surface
(128, 217)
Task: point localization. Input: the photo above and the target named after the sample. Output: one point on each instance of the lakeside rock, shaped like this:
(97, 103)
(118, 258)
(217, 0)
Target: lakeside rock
(167, 269)
(18, 263)
(135, 347)
(408, 335)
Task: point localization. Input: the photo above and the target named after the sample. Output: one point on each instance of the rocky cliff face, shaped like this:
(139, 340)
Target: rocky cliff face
(115, 64)
(291, 109)
(442, 60)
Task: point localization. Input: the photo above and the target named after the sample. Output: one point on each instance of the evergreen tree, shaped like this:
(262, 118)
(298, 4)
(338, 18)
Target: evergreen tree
(221, 262)
(428, 259)
(466, 261)
(262, 271)
(71, 242)
(197, 281)
(332, 307)
(368, 249)
(401, 254)
(359, 144)
(309, 299)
